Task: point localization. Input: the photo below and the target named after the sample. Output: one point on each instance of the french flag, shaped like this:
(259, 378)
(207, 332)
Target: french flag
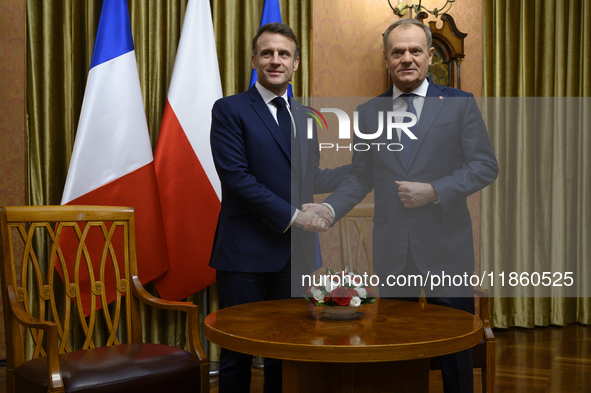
(112, 162)
(190, 189)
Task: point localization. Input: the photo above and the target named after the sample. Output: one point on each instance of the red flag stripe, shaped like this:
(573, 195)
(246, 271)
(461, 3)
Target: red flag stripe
(136, 190)
(189, 231)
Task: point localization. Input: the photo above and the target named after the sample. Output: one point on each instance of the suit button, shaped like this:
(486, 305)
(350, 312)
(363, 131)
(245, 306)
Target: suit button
(293, 178)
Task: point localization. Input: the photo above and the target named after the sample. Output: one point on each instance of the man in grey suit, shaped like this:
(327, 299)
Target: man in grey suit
(422, 225)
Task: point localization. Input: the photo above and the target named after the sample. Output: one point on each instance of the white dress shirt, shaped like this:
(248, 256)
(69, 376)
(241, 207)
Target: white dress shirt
(269, 96)
(400, 105)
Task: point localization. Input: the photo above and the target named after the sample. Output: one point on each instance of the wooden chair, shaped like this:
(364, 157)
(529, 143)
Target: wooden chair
(51, 345)
(355, 233)
(485, 353)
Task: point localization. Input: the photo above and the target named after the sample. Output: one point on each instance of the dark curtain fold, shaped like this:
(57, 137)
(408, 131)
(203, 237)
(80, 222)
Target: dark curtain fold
(60, 39)
(537, 216)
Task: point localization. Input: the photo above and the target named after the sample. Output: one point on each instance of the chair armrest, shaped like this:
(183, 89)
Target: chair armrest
(163, 304)
(191, 309)
(480, 292)
(23, 318)
(54, 372)
(484, 315)
(488, 332)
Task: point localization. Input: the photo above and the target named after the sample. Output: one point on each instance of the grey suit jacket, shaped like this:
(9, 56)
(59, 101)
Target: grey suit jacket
(453, 152)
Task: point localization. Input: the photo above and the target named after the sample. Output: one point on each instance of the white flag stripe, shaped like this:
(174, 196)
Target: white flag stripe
(193, 90)
(115, 128)
(200, 143)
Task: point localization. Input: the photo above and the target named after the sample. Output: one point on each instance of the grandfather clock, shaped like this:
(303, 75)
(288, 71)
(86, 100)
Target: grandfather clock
(448, 42)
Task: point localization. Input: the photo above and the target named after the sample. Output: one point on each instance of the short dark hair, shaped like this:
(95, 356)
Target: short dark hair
(406, 23)
(278, 28)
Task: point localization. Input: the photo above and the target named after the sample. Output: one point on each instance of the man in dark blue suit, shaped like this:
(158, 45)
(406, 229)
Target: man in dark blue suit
(268, 168)
(421, 220)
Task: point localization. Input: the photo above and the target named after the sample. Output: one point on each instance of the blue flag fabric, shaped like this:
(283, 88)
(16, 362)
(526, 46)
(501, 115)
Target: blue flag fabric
(113, 37)
(318, 253)
(271, 14)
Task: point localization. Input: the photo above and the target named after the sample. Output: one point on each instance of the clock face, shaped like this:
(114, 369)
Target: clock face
(439, 69)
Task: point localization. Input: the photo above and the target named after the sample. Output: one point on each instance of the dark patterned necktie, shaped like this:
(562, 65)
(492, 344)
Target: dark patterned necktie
(283, 117)
(404, 139)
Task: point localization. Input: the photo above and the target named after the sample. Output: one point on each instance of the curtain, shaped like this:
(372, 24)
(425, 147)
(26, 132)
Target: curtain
(60, 41)
(537, 216)
(60, 38)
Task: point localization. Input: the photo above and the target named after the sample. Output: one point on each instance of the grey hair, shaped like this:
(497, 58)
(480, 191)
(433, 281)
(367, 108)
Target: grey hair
(405, 23)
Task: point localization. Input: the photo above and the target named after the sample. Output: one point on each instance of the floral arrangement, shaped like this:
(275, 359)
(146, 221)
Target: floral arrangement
(339, 289)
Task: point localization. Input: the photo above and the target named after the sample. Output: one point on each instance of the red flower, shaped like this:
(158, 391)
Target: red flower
(342, 296)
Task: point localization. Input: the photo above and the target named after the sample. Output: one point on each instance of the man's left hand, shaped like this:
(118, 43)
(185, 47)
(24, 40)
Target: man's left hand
(413, 194)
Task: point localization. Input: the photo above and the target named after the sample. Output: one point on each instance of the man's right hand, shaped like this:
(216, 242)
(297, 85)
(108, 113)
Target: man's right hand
(323, 217)
(310, 220)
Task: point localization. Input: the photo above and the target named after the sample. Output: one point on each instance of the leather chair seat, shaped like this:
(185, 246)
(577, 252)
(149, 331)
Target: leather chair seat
(125, 368)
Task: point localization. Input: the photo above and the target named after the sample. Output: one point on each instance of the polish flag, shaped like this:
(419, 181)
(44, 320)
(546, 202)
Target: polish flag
(189, 187)
(112, 162)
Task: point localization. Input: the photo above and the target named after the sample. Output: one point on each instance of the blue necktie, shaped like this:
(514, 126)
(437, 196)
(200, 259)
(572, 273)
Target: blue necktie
(283, 117)
(404, 139)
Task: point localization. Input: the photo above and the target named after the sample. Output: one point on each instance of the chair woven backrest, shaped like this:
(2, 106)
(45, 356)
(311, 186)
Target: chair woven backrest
(356, 234)
(70, 265)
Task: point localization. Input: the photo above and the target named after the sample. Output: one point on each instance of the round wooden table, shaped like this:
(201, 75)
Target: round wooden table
(386, 349)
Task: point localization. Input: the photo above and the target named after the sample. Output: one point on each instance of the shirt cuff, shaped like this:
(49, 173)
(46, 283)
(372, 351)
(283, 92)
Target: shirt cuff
(438, 201)
(292, 219)
(331, 209)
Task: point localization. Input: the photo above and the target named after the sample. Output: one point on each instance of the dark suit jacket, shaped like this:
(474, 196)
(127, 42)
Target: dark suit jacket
(453, 153)
(253, 160)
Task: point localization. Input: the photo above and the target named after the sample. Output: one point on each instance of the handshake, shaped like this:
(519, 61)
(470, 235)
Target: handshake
(314, 217)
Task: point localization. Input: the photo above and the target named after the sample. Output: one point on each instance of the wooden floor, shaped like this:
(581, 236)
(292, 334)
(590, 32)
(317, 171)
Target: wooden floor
(550, 360)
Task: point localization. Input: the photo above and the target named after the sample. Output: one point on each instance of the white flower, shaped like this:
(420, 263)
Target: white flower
(331, 283)
(355, 301)
(318, 294)
(362, 292)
